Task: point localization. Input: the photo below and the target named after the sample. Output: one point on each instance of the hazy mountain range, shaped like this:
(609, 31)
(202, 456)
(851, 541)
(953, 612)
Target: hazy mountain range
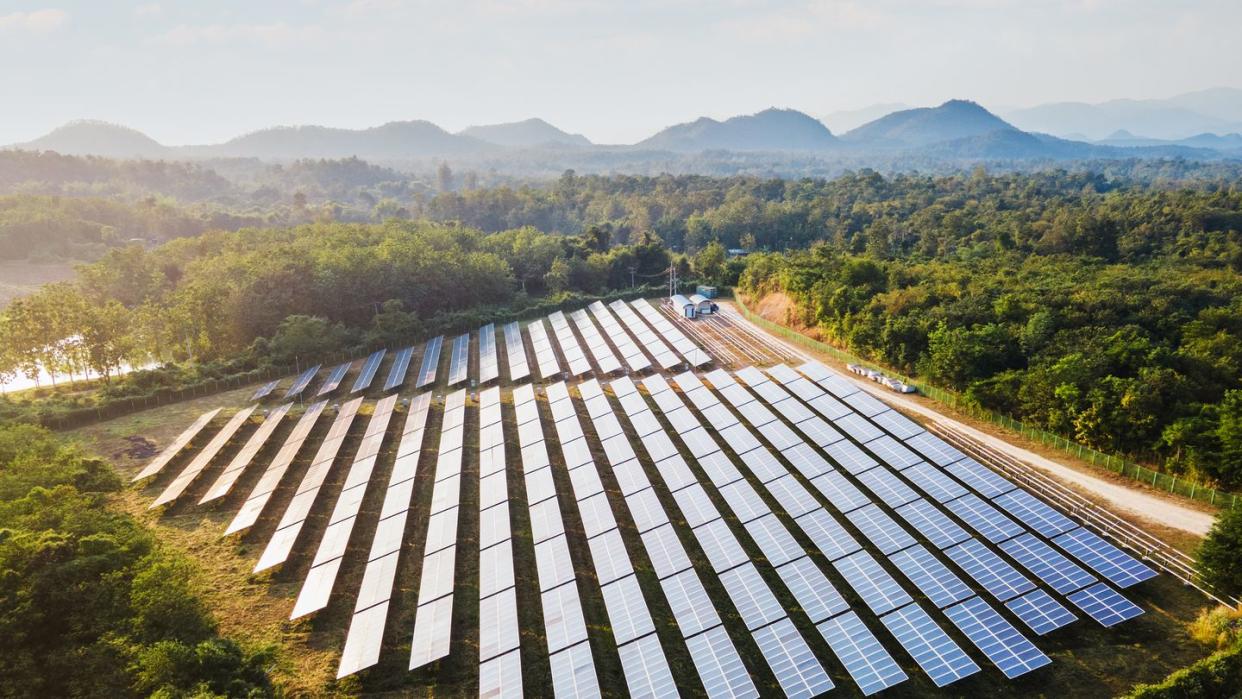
(955, 130)
(1214, 111)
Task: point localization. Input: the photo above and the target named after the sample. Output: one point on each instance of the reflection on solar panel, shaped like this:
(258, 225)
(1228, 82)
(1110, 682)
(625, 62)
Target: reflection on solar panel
(301, 382)
(515, 350)
(459, 359)
(573, 673)
(850, 457)
(797, 671)
(1105, 605)
(935, 449)
(322, 575)
(1119, 567)
(228, 477)
(626, 608)
(369, 368)
(870, 666)
(1012, 653)
(892, 452)
(943, 660)
(991, 571)
(333, 381)
(489, 365)
(858, 427)
(498, 615)
(934, 482)
(281, 543)
(597, 346)
(930, 576)
(1034, 513)
(263, 489)
(630, 352)
(647, 338)
(689, 351)
(647, 673)
(929, 521)
(431, 360)
(827, 534)
(984, 518)
(400, 366)
(982, 479)
(839, 491)
(435, 593)
(159, 462)
(886, 486)
(875, 586)
(265, 390)
(719, 665)
(832, 381)
(817, 597)
(501, 677)
(203, 458)
(545, 356)
(570, 348)
(1040, 612)
(750, 594)
(721, 546)
(897, 424)
(1048, 564)
(880, 529)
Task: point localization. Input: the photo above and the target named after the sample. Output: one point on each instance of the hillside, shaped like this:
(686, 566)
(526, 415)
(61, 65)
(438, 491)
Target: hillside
(97, 138)
(769, 130)
(1218, 110)
(953, 120)
(529, 133)
(394, 140)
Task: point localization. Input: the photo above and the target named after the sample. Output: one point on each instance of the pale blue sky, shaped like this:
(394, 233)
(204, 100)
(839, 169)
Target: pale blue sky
(200, 72)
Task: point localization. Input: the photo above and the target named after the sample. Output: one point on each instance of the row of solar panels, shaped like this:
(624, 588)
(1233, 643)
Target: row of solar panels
(366, 374)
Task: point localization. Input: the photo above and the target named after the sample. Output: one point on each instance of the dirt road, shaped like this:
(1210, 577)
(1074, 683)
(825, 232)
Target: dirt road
(1122, 499)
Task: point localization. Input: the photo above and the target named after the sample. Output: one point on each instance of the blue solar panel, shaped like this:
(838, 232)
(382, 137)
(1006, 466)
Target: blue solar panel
(880, 529)
(1040, 612)
(431, 359)
(985, 519)
(875, 586)
(459, 359)
(1118, 566)
(368, 371)
(858, 427)
(797, 671)
(300, 383)
(817, 597)
(886, 486)
(827, 534)
(843, 495)
(935, 449)
(1105, 605)
(897, 424)
(333, 381)
(1034, 513)
(850, 457)
(989, 570)
(982, 479)
(934, 482)
(870, 666)
(1009, 650)
(930, 576)
(933, 524)
(719, 665)
(1048, 564)
(892, 452)
(400, 365)
(751, 595)
(943, 660)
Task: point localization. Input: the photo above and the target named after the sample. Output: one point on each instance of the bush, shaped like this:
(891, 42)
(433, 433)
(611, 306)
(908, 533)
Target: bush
(1220, 554)
(1219, 676)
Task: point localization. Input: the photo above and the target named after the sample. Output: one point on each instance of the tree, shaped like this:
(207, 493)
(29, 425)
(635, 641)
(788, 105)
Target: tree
(557, 278)
(709, 263)
(444, 177)
(1220, 554)
(106, 338)
(306, 336)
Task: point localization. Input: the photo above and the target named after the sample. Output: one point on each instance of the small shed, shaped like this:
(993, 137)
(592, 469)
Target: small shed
(702, 304)
(683, 305)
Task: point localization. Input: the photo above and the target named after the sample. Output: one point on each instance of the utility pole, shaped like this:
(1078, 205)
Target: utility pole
(633, 269)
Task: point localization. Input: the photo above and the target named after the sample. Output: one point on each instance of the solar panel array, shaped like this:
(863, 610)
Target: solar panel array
(459, 360)
(647, 338)
(646, 669)
(573, 669)
(327, 562)
(203, 458)
(275, 471)
(265, 390)
(367, 374)
(172, 450)
(431, 360)
(545, 356)
(597, 346)
(630, 352)
(333, 381)
(366, 626)
(692, 353)
(570, 349)
(515, 351)
(400, 367)
(499, 653)
(258, 439)
(301, 382)
(489, 363)
(434, 616)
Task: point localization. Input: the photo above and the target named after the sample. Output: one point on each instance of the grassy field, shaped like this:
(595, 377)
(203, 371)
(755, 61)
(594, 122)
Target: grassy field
(20, 277)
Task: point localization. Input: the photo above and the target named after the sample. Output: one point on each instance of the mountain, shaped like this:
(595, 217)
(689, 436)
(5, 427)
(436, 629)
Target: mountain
(98, 138)
(769, 130)
(395, 140)
(1231, 142)
(953, 120)
(846, 119)
(1218, 110)
(525, 134)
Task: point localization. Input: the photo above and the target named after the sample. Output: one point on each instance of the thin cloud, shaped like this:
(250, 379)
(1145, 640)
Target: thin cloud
(35, 22)
(271, 35)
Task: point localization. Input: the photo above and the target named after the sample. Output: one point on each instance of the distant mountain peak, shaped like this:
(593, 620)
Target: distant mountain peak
(953, 120)
(95, 137)
(772, 129)
(527, 133)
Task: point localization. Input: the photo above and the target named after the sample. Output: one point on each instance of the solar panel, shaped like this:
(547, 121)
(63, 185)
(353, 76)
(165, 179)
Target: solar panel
(667, 555)
(562, 617)
(459, 359)
(498, 624)
(876, 587)
(897, 424)
(806, 460)
(203, 458)
(827, 534)
(1034, 513)
(159, 462)
(982, 479)
(545, 356)
(367, 374)
(554, 563)
(242, 460)
(934, 482)
(695, 506)
(265, 390)
(1119, 567)
(494, 525)
(610, 557)
(545, 520)
(774, 540)
(858, 427)
(779, 436)
(604, 357)
(431, 360)
(691, 352)
(573, 673)
(719, 469)
(432, 629)
(1040, 612)
(501, 678)
(646, 669)
(938, 655)
(880, 529)
(719, 665)
(850, 457)
(930, 576)
(933, 524)
(676, 473)
(596, 515)
(869, 665)
(630, 352)
(301, 382)
(489, 365)
(743, 501)
(991, 571)
(1048, 564)
(935, 449)
(333, 381)
(689, 603)
(1009, 650)
(839, 491)
(892, 452)
(515, 350)
(647, 338)
(797, 671)
(721, 546)
(646, 510)
(1105, 605)
(764, 465)
(627, 610)
(886, 486)
(698, 442)
(400, 366)
(793, 497)
(570, 348)
(751, 595)
(984, 518)
(817, 597)
(865, 403)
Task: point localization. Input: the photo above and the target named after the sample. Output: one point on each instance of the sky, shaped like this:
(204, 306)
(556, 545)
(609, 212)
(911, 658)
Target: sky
(203, 72)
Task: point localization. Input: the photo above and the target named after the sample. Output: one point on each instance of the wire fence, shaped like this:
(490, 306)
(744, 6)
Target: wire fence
(1170, 483)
